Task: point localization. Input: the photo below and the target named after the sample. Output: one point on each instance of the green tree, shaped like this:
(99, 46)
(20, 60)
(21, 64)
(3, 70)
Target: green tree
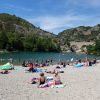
(3, 40)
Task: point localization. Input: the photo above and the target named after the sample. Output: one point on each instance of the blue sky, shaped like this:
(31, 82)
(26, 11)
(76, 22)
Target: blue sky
(54, 15)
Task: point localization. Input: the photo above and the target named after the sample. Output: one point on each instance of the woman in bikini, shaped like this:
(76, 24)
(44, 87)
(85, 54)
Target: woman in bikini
(56, 79)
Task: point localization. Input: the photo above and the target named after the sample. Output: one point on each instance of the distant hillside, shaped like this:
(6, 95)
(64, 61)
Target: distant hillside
(11, 23)
(81, 33)
(70, 39)
(17, 34)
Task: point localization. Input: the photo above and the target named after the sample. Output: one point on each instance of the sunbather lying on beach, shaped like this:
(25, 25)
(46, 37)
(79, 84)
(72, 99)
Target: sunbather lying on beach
(4, 72)
(51, 71)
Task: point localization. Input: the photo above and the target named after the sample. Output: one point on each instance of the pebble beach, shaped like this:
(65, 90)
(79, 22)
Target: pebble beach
(81, 84)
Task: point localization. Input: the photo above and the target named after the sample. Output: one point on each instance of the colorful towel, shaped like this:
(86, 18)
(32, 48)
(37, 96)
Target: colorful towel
(58, 86)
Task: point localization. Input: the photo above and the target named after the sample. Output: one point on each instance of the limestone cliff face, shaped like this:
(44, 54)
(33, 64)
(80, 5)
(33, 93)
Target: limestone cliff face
(82, 33)
(79, 36)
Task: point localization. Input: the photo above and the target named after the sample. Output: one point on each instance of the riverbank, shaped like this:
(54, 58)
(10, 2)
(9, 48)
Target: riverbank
(81, 84)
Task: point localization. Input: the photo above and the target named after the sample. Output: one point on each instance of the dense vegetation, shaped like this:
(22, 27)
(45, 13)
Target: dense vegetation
(9, 22)
(15, 41)
(14, 24)
(94, 49)
(17, 34)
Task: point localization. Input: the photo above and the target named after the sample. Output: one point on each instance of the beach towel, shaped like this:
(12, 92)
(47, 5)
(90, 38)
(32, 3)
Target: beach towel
(38, 70)
(43, 85)
(51, 83)
(58, 86)
(78, 65)
(49, 78)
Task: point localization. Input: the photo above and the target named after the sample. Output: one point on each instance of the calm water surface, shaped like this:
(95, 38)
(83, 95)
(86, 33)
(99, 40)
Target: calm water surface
(19, 57)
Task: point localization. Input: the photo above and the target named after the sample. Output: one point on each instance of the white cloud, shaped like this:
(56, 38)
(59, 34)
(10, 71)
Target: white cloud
(59, 23)
(56, 23)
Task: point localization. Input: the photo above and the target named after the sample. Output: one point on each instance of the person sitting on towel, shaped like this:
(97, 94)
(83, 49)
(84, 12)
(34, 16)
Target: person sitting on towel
(31, 69)
(42, 80)
(56, 79)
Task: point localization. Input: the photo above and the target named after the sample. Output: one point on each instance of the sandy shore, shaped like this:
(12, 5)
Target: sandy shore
(81, 84)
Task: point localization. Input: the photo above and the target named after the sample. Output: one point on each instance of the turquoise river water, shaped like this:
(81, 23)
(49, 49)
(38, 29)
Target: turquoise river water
(19, 57)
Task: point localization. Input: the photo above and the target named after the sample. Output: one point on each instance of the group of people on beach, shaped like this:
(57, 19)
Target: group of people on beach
(42, 81)
(43, 63)
(56, 79)
(84, 62)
